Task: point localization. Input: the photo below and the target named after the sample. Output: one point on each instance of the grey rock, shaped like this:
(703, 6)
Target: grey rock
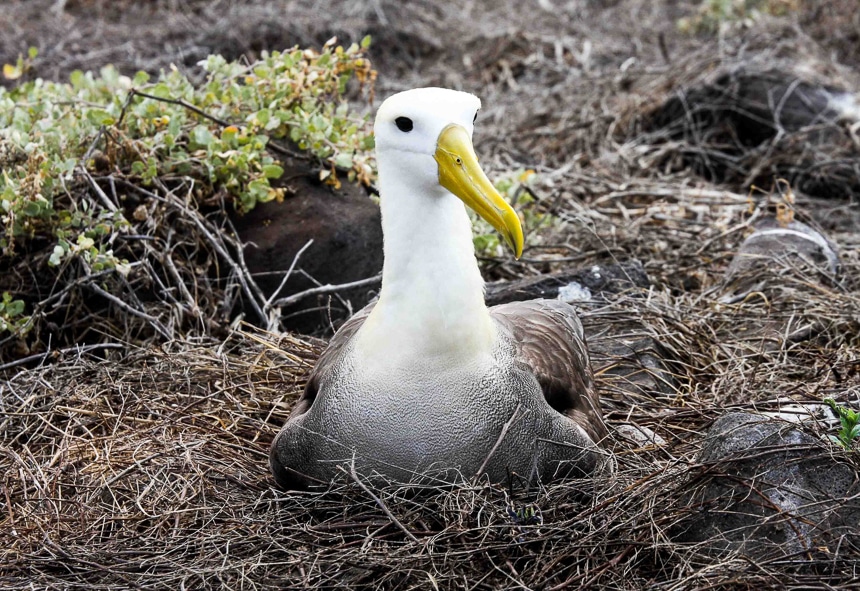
(775, 249)
(766, 488)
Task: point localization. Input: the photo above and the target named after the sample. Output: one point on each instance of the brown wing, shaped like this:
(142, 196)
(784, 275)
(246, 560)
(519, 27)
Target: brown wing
(329, 356)
(551, 342)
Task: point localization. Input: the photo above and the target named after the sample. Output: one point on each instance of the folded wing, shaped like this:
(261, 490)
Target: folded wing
(550, 341)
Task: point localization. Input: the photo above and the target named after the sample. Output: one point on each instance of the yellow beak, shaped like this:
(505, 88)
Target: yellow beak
(460, 173)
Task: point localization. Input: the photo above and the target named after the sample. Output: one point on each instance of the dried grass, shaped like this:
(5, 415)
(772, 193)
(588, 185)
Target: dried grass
(152, 473)
(127, 467)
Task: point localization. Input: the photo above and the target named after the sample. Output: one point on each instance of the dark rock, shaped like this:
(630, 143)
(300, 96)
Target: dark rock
(345, 226)
(752, 106)
(597, 279)
(767, 488)
(749, 125)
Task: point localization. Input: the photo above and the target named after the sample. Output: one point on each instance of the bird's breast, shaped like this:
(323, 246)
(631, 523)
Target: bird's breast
(422, 410)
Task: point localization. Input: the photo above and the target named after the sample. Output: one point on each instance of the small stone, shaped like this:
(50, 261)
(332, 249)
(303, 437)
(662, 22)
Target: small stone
(639, 434)
(574, 292)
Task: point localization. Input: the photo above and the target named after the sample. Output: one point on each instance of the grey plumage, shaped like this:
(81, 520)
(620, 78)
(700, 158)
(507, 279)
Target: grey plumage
(535, 413)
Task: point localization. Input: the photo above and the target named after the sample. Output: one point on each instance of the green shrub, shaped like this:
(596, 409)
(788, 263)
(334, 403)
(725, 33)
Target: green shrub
(61, 143)
(217, 133)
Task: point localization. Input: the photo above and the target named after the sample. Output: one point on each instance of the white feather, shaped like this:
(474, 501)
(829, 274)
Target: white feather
(431, 305)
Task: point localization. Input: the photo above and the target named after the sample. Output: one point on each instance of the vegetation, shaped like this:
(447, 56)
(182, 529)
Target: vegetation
(849, 421)
(712, 15)
(219, 141)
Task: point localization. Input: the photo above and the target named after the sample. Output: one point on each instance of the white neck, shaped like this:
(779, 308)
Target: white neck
(432, 298)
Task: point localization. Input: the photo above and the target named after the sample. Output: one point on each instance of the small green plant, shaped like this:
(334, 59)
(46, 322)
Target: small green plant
(849, 430)
(525, 515)
(516, 188)
(12, 316)
(712, 15)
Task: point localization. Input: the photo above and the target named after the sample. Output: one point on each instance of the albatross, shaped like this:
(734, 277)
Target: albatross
(428, 382)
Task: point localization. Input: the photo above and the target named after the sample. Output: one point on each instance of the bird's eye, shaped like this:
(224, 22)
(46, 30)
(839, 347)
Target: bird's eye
(475, 118)
(403, 123)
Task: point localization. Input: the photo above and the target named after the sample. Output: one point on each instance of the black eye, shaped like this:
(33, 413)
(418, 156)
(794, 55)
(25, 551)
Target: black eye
(403, 123)
(475, 118)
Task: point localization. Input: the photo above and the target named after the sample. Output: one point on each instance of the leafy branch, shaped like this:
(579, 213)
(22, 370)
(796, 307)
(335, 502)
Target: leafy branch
(849, 431)
(87, 166)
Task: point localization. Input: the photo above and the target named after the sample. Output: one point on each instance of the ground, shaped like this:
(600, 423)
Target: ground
(146, 466)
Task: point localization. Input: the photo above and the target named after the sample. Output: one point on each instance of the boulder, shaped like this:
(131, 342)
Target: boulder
(767, 487)
(748, 125)
(345, 226)
(776, 249)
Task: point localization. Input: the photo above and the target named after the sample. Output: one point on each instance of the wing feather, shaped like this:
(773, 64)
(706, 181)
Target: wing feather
(329, 357)
(551, 342)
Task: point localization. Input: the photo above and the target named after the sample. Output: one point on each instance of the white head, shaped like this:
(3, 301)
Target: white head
(412, 120)
(424, 135)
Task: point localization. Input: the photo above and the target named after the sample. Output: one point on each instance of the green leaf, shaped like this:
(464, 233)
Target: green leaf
(100, 117)
(343, 160)
(32, 208)
(76, 78)
(262, 116)
(365, 43)
(15, 308)
(68, 165)
(161, 90)
(201, 137)
(273, 171)
(140, 78)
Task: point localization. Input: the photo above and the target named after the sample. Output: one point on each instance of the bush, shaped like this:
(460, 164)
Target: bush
(100, 175)
(712, 15)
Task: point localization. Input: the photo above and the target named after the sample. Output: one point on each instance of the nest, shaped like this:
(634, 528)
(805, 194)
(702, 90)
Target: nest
(152, 473)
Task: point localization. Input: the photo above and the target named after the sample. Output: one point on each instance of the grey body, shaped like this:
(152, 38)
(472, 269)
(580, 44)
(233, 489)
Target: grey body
(533, 412)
